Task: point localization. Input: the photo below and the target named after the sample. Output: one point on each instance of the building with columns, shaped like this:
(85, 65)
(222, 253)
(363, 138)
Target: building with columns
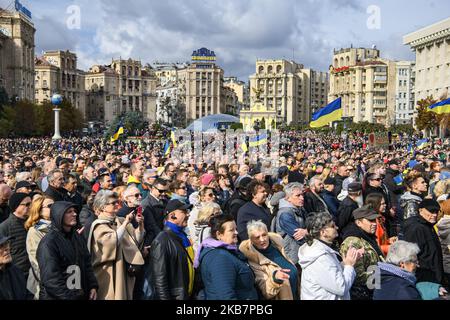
(17, 55)
(432, 66)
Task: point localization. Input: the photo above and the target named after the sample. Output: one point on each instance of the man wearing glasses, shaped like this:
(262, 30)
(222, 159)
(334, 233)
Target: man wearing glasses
(14, 228)
(12, 282)
(156, 201)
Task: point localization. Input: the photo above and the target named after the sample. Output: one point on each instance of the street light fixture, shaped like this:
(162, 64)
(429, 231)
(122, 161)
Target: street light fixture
(56, 101)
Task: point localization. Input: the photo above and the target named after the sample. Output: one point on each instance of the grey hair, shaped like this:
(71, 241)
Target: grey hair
(51, 175)
(127, 191)
(22, 176)
(255, 226)
(314, 179)
(402, 251)
(85, 171)
(289, 189)
(315, 222)
(102, 197)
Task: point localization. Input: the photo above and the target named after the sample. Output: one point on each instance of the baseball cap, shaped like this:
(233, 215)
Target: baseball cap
(431, 205)
(354, 187)
(173, 205)
(24, 184)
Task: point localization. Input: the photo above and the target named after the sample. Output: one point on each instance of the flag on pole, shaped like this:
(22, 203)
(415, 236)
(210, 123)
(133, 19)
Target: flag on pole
(420, 144)
(440, 107)
(118, 132)
(327, 114)
(167, 149)
(259, 140)
(174, 140)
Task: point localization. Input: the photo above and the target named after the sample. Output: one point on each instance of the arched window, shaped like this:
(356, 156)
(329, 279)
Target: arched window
(270, 69)
(278, 69)
(261, 69)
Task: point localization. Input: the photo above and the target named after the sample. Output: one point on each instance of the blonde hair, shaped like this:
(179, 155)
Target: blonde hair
(442, 187)
(325, 173)
(120, 190)
(206, 212)
(35, 211)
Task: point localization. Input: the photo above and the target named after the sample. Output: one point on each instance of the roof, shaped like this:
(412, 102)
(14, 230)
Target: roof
(210, 123)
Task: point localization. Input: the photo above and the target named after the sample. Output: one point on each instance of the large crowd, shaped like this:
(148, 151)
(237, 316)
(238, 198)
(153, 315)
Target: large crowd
(334, 219)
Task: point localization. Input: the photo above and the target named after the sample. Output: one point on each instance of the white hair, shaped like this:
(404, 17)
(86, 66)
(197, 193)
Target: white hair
(22, 176)
(313, 180)
(128, 190)
(255, 226)
(402, 251)
(101, 199)
(291, 187)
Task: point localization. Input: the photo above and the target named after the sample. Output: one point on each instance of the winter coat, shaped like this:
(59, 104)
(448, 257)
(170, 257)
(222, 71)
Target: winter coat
(110, 258)
(264, 270)
(409, 202)
(14, 227)
(248, 212)
(226, 275)
(156, 208)
(396, 284)
(5, 211)
(331, 202)
(150, 226)
(289, 219)
(338, 184)
(421, 232)
(395, 191)
(357, 238)
(56, 194)
(443, 228)
(314, 203)
(34, 237)
(345, 214)
(170, 270)
(323, 276)
(13, 285)
(60, 257)
(234, 203)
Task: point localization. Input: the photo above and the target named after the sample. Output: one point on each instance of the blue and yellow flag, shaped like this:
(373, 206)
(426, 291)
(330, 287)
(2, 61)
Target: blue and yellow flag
(420, 144)
(244, 147)
(167, 148)
(174, 140)
(440, 107)
(398, 179)
(118, 132)
(327, 114)
(259, 140)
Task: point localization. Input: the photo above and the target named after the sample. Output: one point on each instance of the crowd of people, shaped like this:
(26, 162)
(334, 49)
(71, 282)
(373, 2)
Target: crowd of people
(335, 219)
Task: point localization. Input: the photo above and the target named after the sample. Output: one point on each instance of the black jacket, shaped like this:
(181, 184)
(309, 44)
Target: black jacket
(313, 203)
(170, 270)
(56, 194)
(4, 212)
(338, 184)
(58, 255)
(75, 199)
(345, 214)
(421, 232)
(86, 218)
(13, 285)
(250, 211)
(14, 227)
(156, 208)
(234, 203)
(395, 191)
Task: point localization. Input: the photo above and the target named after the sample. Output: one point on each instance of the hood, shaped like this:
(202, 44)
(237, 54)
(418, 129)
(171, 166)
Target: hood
(57, 213)
(408, 196)
(307, 254)
(443, 227)
(286, 204)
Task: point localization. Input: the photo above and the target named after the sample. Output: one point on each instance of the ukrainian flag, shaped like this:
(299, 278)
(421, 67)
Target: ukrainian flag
(244, 147)
(327, 114)
(167, 148)
(398, 179)
(174, 140)
(259, 140)
(118, 132)
(422, 144)
(440, 107)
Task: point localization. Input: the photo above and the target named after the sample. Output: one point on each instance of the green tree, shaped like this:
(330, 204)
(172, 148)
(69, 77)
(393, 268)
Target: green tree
(70, 117)
(44, 119)
(24, 120)
(7, 117)
(426, 120)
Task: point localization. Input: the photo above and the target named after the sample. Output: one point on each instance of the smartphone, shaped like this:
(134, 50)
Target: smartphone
(139, 211)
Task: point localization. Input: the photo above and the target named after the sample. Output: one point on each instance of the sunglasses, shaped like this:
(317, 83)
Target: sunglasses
(26, 204)
(115, 202)
(160, 190)
(136, 195)
(377, 179)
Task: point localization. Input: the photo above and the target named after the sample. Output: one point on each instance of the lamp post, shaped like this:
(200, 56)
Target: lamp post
(56, 101)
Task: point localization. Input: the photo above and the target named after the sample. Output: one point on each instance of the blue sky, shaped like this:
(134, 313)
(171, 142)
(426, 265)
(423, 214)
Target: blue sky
(239, 31)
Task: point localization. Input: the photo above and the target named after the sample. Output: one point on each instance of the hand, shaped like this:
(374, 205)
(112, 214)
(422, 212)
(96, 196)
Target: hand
(129, 217)
(282, 274)
(300, 234)
(146, 251)
(442, 291)
(93, 294)
(351, 257)
(140, 219)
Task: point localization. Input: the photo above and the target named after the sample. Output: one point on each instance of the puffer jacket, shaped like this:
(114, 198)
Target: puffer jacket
(59, 256)
(323, 276)
(409, 202)
(443, 228)
(290, 218)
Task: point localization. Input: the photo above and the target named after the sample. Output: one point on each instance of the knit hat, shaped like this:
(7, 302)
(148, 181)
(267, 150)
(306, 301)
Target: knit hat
(206, 179)
(16, 199)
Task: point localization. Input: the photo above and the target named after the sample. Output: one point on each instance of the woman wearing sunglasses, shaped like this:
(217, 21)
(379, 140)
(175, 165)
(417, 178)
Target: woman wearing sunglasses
(37, 224)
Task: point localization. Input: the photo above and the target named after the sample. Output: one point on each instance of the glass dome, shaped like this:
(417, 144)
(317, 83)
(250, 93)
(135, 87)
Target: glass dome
(212, 122)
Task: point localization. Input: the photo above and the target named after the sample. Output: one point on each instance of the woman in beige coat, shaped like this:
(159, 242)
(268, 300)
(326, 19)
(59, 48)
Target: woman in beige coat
(276, 275)
(37, 224)
(114, 246)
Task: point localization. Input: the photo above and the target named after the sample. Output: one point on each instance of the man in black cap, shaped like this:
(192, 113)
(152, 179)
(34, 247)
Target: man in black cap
(24, 187)
(172, 255)
(329, 197)
(238, 198)
(395, 189)
(257, 174)
(13, 285)
(361, 236)
(352, 202)
(420, 230)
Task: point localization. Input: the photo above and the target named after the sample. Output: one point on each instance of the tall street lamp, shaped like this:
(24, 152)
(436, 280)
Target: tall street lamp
(56, 101)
